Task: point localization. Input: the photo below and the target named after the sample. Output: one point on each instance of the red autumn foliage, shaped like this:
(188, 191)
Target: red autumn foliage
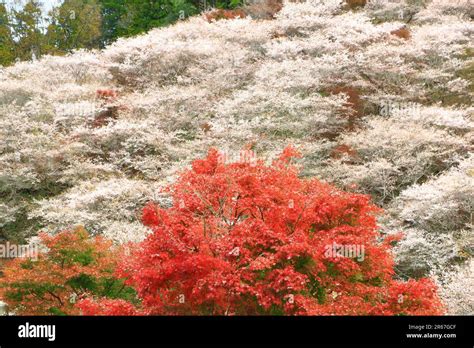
(340, 151)
(73, 265)
(106, 307)
(354, 101)
(353, 107)
(218, 14)
(106, 94)
(251, 239)
(110, 111)
(402, 33)
(266, 9)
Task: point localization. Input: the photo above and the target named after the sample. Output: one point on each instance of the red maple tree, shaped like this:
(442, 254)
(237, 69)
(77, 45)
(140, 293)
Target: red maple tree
(72, 265)
(251, 239)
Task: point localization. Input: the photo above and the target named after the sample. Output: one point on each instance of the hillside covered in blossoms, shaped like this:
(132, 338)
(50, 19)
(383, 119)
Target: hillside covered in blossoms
(375, 95)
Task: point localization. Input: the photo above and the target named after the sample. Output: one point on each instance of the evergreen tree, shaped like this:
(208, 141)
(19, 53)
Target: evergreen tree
(75, 24)
(132, 17)
(27, 31)
(6, 40)
(113, 11)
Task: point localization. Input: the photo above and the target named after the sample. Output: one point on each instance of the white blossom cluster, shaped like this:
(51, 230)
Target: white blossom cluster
(441, 208)
(378, 99)
(457, 290)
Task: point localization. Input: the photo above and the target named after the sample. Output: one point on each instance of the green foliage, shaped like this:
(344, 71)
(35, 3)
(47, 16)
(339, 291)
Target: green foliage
(6, 39)
(26, 28)
(73, 265)
(88, 24)
(131, 17)
(113, 12)
(75, 24)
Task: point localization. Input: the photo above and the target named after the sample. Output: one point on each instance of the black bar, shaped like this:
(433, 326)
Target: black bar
(243, 330)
